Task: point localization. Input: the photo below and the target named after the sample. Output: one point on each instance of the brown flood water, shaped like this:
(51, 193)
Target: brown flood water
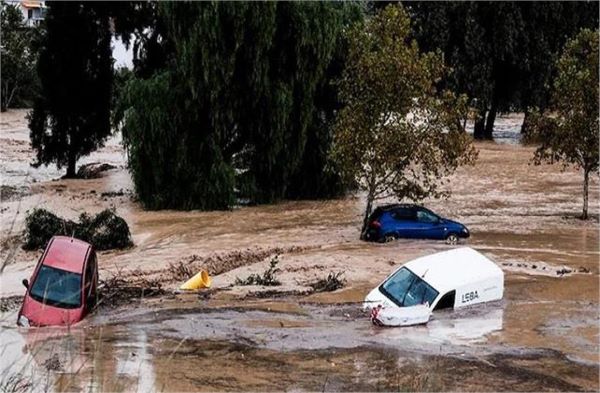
(543, 336)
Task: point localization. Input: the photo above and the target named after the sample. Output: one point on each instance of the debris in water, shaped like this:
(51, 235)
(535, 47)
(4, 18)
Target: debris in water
(198, 281)
(332, 282)
(267, 279)
(53, 363)
(93, 170)
(116, 290)
(563, 271)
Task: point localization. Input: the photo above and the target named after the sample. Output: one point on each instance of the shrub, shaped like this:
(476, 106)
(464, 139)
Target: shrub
(41, 225)
(105, 230)
(267, 279)
(331, 283)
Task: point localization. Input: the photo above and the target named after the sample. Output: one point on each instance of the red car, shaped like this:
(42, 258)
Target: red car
(63, 286)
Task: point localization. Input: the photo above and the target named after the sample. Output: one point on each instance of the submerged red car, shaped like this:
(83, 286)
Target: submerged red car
(63, 287)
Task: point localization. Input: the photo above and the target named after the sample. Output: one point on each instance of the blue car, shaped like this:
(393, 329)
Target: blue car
(412, 221)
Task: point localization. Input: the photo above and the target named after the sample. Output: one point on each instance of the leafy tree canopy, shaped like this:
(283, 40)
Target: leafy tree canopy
(568, 129)
(398, 135)
(17, 59)
(239, 86)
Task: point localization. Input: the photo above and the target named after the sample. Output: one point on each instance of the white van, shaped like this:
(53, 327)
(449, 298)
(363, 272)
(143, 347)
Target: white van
(455, 278)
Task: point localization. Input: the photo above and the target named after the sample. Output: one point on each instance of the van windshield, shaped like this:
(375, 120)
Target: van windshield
(407, 289)
(57, 287)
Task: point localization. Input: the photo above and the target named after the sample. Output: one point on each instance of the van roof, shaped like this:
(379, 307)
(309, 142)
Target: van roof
(67, 253)
(449, 270)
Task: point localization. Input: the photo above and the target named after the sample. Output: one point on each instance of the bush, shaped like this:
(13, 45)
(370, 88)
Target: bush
(105, 231)
(41, 225)
(331, 283)
(267, 279)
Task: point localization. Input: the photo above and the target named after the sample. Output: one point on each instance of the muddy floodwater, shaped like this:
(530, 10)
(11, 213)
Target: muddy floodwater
(544, 335)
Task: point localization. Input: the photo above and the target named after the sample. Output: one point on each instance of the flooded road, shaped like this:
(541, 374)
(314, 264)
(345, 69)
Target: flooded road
(543, 336)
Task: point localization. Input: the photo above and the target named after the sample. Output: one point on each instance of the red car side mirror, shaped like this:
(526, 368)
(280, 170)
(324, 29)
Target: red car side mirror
(25, 283)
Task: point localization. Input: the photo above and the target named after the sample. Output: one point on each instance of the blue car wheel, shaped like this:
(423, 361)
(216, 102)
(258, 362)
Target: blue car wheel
(452, 238)
(388, 237)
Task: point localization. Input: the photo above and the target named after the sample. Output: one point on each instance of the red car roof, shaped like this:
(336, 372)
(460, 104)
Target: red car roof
(67, 253)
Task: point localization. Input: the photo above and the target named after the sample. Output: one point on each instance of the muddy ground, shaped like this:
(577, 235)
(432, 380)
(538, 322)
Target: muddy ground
(543, 336)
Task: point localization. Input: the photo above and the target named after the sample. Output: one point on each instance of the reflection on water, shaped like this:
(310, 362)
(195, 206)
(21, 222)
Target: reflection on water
(469, 328)
(134, 361)
(227, 349)
(507, 128)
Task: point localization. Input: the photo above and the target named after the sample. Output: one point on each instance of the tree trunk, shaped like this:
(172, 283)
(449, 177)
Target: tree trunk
(479, 126)
(368, 209)
(526, 126)
(71, 166)
(491, 118)
(586, 179)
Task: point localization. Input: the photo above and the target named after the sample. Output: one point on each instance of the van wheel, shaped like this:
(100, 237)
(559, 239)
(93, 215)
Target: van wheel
(389, 238)
(452, 238)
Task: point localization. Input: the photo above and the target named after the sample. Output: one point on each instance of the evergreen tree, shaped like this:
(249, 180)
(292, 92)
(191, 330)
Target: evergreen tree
(71, 117)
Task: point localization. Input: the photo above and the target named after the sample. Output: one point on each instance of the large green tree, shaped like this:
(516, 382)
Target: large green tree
(17, 58)
(71, 117)
(568, 130)
(244, 78)
(398, 135)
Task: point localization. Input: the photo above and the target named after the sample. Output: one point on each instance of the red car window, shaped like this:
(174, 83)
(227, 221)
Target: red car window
(57, 287)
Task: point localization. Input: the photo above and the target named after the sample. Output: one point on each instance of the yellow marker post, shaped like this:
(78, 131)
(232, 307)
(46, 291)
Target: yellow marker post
(199, 281)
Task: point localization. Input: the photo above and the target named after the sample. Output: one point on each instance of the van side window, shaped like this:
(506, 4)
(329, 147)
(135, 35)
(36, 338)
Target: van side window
(447, 301)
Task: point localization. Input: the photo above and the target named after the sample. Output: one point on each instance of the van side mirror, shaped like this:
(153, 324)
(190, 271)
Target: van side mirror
(25, 283)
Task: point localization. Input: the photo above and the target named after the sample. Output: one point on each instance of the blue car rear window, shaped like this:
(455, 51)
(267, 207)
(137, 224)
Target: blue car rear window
(57, 287)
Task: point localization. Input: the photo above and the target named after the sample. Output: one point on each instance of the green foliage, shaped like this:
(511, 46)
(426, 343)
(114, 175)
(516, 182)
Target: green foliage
(235, 95)
(397, 135)
(105, 230)
(267, 279)
(121, 76)
(175, 162)
(17, 59)
(317, 176)
(568, 130)
(41, 225)
(71, 117)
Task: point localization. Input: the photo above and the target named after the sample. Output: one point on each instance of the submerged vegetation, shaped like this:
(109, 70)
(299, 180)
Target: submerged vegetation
(332, 282)
(266, 279)
(105, 230)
